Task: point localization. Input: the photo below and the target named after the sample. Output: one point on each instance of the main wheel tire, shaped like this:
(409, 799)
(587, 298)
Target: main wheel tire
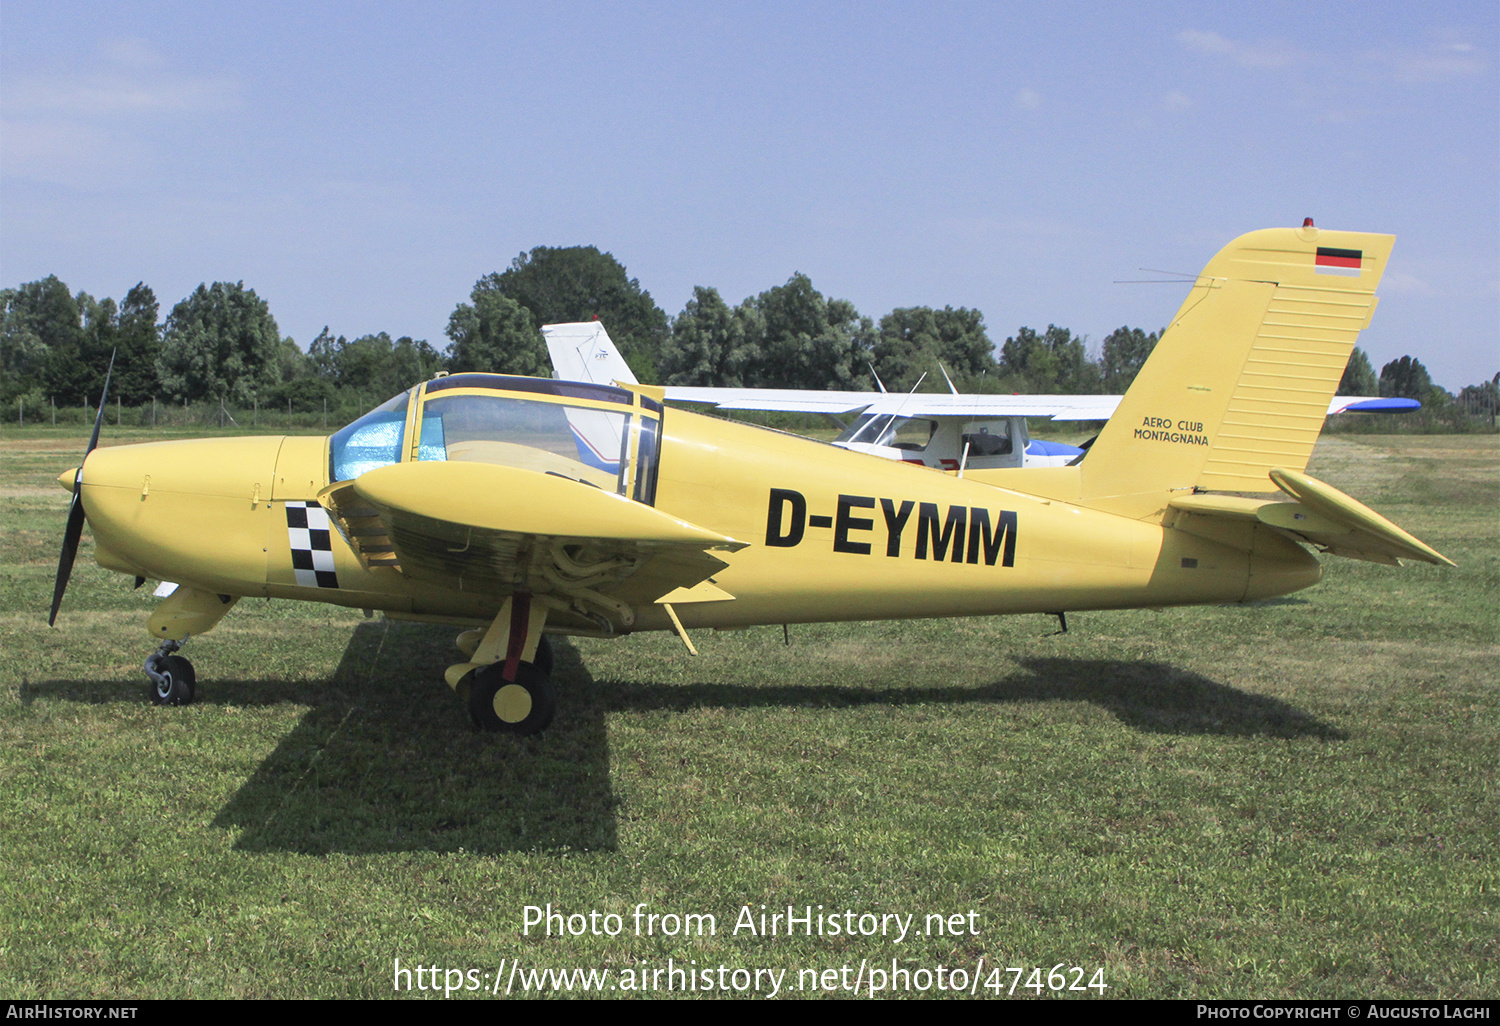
(179, 684)
(543, 660)
(523, 706)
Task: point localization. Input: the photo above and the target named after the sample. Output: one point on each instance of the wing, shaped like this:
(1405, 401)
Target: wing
(938, 404)
(584, 352)
(1370, 404)
(791, 400)
(492, 530)
(1057, 407)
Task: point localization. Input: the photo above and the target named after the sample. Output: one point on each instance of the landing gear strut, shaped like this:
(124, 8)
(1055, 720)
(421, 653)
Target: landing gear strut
(507, 682)
(173, 681)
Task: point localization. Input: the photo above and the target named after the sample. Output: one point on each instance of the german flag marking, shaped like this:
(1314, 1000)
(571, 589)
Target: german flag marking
(1338, 261)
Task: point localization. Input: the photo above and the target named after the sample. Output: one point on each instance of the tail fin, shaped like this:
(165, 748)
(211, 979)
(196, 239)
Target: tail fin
(584, 352)
(1241, 381)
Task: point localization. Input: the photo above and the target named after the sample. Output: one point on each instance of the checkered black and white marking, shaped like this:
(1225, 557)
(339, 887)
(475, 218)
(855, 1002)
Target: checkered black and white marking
(311, 536)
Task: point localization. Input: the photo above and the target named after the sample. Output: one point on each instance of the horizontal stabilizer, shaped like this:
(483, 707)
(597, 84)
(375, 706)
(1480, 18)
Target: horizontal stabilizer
(1322, 515)
(1367, 534)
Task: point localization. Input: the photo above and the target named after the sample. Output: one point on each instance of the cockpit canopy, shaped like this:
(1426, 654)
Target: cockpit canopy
(602, 436)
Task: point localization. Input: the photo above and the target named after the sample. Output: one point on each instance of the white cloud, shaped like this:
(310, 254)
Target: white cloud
(1204, 42)
(85, 129)
(1447, 56)
(1028, 99)
(1176, 101)
(1263, 54)
(1402, 283)
(133, 81)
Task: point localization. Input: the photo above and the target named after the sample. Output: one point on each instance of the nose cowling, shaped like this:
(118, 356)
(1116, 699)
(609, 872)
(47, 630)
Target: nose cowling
(192, 511)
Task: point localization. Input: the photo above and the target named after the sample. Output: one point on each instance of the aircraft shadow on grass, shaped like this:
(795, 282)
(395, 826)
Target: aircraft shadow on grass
(380, 765)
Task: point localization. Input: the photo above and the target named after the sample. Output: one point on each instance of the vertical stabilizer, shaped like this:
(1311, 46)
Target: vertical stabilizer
(583, 351)
(1240, 382)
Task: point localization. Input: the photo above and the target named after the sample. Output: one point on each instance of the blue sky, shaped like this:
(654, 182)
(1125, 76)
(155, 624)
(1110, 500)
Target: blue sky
(360, 165)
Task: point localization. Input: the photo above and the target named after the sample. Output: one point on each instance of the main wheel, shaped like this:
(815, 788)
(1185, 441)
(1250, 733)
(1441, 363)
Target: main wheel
(179, 684)
(543, 660)
(523, 706)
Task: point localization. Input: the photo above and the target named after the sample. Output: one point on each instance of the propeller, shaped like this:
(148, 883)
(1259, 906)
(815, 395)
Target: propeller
(74, 530)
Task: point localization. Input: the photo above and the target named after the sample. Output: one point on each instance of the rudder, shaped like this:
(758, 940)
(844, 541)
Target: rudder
(1240, 382)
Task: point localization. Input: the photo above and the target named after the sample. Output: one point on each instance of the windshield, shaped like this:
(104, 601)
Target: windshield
(584, 443)
(604, 437)
(912, 433)
(373, 440)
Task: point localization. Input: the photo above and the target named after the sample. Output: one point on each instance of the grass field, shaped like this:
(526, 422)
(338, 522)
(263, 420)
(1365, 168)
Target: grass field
(1291, 799)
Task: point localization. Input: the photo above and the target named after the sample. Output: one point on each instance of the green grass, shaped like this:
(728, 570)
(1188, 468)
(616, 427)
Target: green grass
(1292, 799)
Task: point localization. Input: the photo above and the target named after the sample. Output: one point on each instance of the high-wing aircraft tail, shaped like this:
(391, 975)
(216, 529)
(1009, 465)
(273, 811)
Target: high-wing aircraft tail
(583, 351)
(1241, 381)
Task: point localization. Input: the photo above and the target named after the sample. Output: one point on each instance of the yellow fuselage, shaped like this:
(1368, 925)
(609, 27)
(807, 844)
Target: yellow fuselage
(833, 534)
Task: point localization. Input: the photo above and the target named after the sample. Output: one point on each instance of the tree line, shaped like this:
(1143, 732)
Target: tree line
(221, 345)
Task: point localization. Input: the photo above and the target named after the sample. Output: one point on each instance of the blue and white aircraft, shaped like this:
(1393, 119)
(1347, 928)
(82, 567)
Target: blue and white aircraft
(952, 432)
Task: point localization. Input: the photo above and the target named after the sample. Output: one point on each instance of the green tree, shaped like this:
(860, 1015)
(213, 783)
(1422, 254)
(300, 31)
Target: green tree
(322, 355)
(914, 340)
(711, 344)
(579, 283)
(23, 354)
(811, 342)
(1051, 363)
(363, 364)
(221, 343)
(138, 340)
(293, 361)
(39, 341)
(495, 334)
(98, 342)
(1405, 378)
(412, 360)
(1359, 377)
(1122, 357)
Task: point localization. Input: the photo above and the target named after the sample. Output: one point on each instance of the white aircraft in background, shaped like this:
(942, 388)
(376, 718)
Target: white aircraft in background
(953, 432)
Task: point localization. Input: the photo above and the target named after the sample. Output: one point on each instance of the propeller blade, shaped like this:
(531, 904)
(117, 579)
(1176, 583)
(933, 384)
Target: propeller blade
(74, 530)
(103, 397)
(69, 550)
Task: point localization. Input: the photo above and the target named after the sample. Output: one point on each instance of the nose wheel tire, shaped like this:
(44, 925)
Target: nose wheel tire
(523, 706)
(178, 684)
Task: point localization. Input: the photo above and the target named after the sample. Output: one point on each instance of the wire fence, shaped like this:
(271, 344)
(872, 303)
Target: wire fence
(166, 415)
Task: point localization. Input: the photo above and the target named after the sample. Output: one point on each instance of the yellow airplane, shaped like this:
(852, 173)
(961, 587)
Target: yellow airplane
(513, 507)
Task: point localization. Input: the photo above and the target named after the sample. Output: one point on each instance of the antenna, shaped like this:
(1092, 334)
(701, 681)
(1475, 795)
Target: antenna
(947, 378)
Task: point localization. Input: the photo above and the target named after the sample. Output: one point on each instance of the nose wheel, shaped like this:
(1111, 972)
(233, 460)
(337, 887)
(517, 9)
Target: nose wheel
(173, 681)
